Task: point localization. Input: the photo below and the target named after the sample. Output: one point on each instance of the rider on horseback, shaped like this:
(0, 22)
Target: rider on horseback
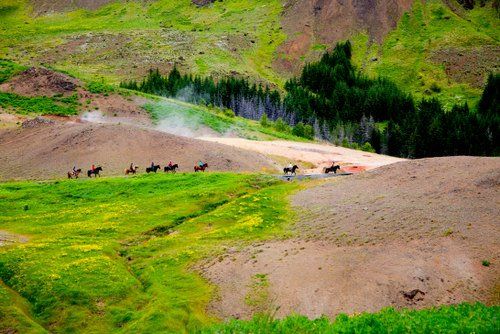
(131, 166)
(200, 164)
(152, 165)
(170, 164)
(92, 168)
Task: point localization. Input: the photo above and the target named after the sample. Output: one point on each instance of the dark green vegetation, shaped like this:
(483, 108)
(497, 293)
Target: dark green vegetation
(115, 254)
(335, 101)
(462, 318)
(57, 105)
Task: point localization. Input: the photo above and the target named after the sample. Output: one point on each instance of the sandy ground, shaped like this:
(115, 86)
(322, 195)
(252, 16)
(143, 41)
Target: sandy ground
(7, 238)
(364, 241)
(319, 155)
(50, 150)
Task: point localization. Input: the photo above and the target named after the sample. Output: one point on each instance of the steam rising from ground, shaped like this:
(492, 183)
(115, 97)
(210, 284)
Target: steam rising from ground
(179, 125)
(172, 117)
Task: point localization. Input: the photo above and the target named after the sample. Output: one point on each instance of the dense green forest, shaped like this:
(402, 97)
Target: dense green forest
(333, 100)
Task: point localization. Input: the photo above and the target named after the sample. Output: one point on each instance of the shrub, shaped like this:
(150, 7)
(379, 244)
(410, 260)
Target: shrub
(298, 130)
(99, 87)
(280, 125)
(264, 121)
(228, 113)
(367, 147)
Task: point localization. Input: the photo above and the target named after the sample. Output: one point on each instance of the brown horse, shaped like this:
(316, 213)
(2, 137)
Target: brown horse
(131, 171)
(200, 168)
(74, 174)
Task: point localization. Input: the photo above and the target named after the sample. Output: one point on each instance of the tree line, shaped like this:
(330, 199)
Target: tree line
(332, 100)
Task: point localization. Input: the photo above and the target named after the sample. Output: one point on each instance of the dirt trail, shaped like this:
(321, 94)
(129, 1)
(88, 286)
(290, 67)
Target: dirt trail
(49, 150)
(319, 155)
(363, 242)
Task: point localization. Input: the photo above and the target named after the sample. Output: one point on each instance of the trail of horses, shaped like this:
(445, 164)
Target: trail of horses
(50, 150)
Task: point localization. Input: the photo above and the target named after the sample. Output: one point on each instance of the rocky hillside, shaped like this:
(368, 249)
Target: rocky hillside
(439, 48)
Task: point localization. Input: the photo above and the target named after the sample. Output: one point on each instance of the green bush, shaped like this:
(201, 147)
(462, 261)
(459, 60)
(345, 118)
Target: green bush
(229, 113)
(367, 147)
(99, 87)
(280, 125)
(298, 130)
(264, 121)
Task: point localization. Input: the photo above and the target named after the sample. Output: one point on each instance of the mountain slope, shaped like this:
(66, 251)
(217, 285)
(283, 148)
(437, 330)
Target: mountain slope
(432, 48)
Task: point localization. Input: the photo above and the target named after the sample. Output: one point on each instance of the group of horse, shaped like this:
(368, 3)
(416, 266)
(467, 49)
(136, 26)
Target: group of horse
(173, 168)
(293, 170)
(134, 170)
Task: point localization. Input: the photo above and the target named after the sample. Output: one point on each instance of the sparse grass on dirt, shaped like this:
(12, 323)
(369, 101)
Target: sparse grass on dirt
(114, 254)
(406, 54)
(463, 318)
(122, 40)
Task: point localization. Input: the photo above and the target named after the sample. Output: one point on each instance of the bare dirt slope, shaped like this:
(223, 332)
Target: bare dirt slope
(311, 157)
(310, 22)
(41, 151)
(411, 234)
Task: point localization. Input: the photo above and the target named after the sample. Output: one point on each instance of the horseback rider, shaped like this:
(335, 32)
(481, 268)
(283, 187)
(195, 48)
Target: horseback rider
(200, 163)
(131, 166)
(152, 165)
(170, 164)
(290, 165)
(74, 169)
(92, 168)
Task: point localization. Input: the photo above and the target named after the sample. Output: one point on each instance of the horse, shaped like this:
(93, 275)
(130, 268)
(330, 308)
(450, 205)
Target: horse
(153, 169)
(201, 168)
(331, 169)
(131, 171)
(288, 170)
(74, 173)
(95, 172)
(171, 168)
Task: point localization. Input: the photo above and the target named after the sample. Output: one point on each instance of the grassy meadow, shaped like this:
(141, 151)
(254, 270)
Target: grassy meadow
(115, 254)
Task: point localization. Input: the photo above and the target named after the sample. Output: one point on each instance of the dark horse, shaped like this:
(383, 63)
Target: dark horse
(291, 171)
(332, 169)
(171, 168)
(95, 172)
(201, 168)
(153, 169)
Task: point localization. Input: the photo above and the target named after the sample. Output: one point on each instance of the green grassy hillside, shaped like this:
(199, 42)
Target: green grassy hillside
(425, 54)
(124, 39)
(114, 255)
(435, 51)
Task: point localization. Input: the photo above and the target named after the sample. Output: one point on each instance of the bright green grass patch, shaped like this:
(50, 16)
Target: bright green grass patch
(42, 105)
(114, 254)
(8, 69)
(463, 318)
